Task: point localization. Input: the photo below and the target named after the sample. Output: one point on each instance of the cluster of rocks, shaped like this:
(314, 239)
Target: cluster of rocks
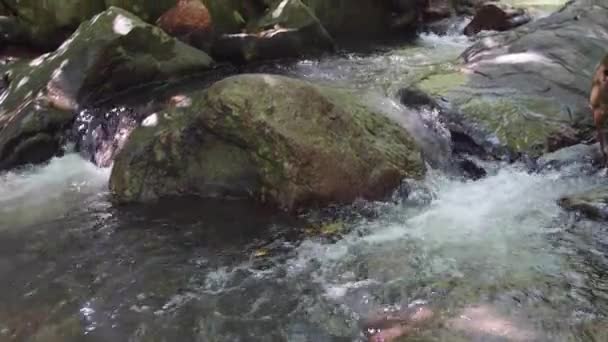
(283, 141)
(523, 94)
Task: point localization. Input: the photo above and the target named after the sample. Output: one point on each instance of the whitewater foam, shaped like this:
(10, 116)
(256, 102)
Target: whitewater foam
(40, 193)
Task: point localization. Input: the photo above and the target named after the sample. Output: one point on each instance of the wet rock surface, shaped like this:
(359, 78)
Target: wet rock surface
(276, 139)
(592, 204)
(522, 87)
(110, 54)
(289, 30)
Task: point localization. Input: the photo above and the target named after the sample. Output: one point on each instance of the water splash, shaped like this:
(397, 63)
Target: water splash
(475, 234)
(44, 193)
(101, 133)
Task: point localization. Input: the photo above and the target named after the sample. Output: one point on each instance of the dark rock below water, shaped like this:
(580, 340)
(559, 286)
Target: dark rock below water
(469, 168)
(593, 204)
(107, 55)
(415, 98)
(493, 18)
(278, 140)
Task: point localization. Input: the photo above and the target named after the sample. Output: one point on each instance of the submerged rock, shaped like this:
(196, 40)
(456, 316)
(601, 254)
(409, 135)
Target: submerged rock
(278, 140)
(583, 157)
(107, 55)
(523, 86)
(493, 18)
(415, 98)
(593, 204)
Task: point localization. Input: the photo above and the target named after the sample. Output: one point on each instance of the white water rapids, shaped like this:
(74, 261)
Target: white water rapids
(498, 252)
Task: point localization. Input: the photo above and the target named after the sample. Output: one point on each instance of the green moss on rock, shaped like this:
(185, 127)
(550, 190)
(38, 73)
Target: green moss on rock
(437, 84)
(276, 139)
(520, 124)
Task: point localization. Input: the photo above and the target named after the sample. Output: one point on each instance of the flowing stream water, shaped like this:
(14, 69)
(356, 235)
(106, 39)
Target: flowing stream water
(495, 259)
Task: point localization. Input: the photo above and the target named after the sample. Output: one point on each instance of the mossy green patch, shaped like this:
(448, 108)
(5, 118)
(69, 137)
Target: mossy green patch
(521, 124)
(441, 83)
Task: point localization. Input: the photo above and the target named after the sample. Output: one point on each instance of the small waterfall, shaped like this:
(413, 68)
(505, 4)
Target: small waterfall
(425, 126)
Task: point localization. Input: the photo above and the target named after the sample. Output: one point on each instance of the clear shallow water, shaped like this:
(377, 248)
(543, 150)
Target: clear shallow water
(496, 259)
(385, 71)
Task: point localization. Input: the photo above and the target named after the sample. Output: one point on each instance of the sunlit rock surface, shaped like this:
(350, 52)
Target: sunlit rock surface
(107, 55)
(523, 86)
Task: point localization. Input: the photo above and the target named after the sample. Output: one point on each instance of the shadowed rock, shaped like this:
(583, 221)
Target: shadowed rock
(593, 204)
(289, 30)
(493, 18)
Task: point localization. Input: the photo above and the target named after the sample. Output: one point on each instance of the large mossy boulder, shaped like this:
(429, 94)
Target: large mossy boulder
(111, 53)
(275, 139)
(527, 86)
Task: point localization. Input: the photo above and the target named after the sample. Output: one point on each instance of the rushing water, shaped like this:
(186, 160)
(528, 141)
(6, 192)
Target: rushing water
(495, 259)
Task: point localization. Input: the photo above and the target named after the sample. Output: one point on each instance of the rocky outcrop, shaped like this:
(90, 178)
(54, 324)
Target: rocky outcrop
(522, 87)
(278, 140)
(593, 204)
(579, 158)
(289, 30)
(48, 23)
(109, 54)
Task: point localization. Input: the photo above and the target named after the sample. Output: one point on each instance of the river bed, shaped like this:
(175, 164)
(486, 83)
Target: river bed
(496, 259)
